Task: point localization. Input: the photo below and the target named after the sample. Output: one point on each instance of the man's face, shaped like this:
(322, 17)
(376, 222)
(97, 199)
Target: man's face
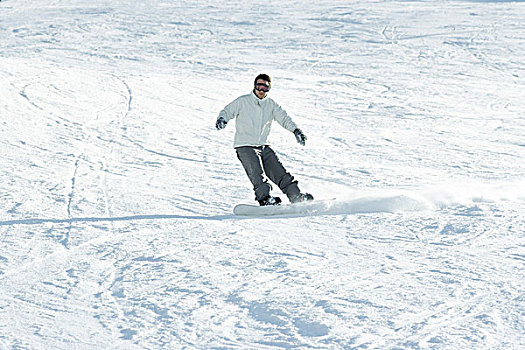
(261, 88)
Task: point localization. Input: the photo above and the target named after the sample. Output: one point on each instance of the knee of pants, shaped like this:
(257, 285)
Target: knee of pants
(251, 162)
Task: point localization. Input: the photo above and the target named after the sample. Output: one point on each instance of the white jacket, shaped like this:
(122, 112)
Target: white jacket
(254, 119)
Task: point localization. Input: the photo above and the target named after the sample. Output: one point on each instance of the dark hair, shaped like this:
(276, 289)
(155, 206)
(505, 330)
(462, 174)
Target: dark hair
(264, 77)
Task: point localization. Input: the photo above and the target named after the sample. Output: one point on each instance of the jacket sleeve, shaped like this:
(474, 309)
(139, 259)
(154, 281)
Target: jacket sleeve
(280, 115)
(231, 111)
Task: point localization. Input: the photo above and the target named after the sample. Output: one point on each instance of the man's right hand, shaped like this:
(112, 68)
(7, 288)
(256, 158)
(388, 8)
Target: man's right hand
(221, 123)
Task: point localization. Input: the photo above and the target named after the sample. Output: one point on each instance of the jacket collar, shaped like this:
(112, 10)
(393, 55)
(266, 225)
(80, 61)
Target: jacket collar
(257, 99)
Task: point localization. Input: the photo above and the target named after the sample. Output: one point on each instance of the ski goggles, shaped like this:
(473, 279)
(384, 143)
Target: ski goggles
(262, 87)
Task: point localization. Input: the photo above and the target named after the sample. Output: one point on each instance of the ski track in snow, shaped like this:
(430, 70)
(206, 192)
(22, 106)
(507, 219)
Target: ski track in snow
(116, 191)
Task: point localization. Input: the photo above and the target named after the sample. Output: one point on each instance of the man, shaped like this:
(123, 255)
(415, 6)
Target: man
(254, 114)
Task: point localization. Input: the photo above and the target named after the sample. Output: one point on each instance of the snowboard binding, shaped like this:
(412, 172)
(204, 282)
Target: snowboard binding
(269, 200)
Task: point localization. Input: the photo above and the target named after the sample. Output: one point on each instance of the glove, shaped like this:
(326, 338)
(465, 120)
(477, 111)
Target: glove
(221, 123)
(301, 138)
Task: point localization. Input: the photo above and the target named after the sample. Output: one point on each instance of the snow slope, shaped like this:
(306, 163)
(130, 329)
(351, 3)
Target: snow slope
(116, 191)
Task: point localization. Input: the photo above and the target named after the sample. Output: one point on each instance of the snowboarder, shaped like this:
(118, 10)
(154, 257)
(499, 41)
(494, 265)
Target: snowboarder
(254, 114)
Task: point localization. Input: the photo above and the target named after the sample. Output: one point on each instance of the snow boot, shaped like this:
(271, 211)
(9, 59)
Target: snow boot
(302, 197)
(269, 201)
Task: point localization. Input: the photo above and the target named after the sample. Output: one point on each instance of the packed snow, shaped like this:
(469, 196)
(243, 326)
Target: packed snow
(116, 190)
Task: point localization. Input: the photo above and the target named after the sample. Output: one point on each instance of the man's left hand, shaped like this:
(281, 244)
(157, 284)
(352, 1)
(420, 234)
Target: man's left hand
(301, 138)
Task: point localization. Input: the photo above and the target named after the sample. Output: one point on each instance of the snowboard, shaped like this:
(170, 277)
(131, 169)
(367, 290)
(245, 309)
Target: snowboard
(303, 208)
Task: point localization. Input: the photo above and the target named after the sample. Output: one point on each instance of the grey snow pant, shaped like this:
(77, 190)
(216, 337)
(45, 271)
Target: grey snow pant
(261, 163)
